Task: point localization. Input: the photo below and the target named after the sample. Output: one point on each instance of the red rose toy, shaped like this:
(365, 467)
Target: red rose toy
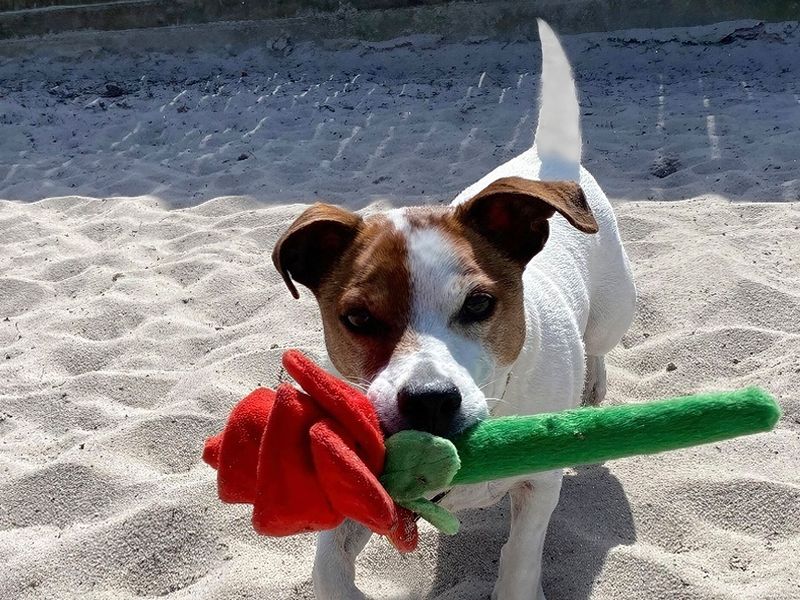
(307, 461)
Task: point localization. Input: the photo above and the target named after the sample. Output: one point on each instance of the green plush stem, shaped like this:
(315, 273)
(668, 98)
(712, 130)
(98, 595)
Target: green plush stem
(434, 514)
(418, 463)
(513, 446)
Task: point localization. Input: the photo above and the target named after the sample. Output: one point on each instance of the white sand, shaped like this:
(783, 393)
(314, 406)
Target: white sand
(128, 329)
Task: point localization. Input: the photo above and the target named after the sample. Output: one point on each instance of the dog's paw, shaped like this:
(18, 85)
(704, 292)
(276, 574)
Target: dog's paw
(497, 595)
(331, 587)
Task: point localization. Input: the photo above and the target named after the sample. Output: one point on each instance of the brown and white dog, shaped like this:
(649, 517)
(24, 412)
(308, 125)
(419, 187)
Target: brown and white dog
(503, 303)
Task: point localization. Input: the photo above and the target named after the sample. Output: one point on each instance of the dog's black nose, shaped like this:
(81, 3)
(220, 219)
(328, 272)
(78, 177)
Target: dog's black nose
(430, 407)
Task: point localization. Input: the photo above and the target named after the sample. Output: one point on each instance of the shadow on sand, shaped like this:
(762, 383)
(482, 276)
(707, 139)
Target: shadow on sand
(593, 516)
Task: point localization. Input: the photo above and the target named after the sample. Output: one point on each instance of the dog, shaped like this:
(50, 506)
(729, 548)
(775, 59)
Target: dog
(504, 302)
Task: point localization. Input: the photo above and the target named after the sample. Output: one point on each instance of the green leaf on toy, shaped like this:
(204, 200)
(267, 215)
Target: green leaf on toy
(434, 514)
(416, 463)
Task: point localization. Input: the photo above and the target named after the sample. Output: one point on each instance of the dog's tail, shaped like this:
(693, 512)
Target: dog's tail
(558, 133)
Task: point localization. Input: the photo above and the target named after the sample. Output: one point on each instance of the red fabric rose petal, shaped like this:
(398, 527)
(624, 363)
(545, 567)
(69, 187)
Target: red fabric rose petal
(307, 461)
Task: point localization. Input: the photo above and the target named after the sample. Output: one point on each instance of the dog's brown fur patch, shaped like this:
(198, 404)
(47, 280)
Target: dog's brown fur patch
(372, 274)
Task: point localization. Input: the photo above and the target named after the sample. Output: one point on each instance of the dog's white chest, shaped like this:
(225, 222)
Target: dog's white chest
(479, 495)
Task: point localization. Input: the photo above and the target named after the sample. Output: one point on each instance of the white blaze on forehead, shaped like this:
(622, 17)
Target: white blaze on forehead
(436, 279)
(435, 273)
(438, 287)
(398, 218)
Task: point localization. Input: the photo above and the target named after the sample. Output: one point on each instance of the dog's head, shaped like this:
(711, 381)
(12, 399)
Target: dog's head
(425, 305)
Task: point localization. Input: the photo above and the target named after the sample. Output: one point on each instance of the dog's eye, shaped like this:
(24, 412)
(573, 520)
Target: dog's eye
(477, 307)
(359, 320)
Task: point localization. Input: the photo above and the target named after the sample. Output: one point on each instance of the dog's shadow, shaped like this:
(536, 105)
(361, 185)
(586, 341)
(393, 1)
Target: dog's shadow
(593, 516)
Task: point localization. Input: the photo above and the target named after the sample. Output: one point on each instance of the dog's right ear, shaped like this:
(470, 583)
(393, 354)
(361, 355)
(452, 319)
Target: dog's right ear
(311, 245)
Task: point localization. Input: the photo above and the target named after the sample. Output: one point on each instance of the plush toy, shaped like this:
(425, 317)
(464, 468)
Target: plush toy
(308, 460)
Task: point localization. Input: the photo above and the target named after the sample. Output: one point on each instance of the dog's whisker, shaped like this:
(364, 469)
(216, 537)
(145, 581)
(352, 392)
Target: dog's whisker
(498, 400)
(488, 383)
(360, 383)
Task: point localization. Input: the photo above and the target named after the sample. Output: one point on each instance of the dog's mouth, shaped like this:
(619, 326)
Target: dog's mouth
(438, 497)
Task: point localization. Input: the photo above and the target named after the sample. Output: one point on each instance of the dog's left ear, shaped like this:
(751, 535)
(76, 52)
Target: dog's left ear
(512, 213)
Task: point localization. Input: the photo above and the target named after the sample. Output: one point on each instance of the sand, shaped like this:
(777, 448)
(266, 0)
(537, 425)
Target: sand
(138, 302)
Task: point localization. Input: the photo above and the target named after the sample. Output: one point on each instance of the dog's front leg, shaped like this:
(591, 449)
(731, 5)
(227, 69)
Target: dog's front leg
(532, 503)
(335, 561)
